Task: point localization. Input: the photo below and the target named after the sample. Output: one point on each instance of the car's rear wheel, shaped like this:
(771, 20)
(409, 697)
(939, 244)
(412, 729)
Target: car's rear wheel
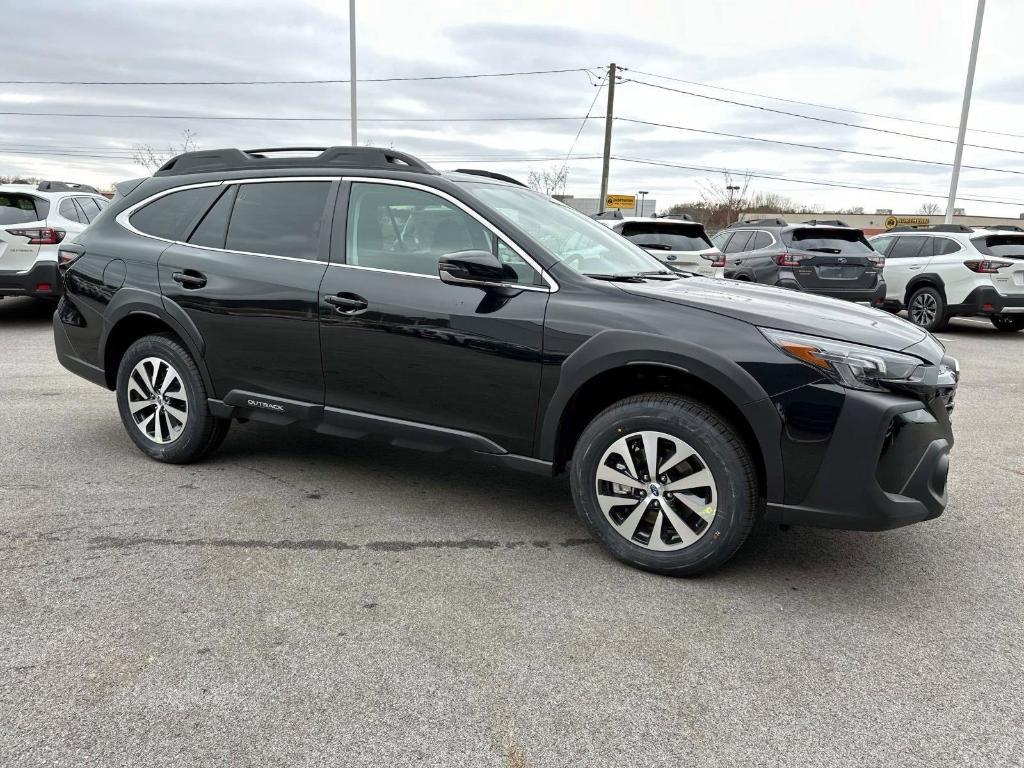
(665, 483)
(1008, 323)
(162, 401)
(927, 309)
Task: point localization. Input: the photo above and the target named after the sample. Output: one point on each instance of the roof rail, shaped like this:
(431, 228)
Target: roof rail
(933, 228)
(339, 157)
(827, 222)
(65, 186)
(613, 214)
(772, 222)
(490, 175)
(1006, 228)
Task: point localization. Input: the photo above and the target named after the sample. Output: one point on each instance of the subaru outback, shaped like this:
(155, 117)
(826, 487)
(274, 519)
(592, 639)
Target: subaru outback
(360, 293)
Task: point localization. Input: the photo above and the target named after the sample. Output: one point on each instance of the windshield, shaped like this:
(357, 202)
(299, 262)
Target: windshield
(849, 241)
(577, 241)
(1009, 246)
(666, 237)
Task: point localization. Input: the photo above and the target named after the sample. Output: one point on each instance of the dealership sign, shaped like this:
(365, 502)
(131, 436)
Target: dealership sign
(906, 221)
(620, 201)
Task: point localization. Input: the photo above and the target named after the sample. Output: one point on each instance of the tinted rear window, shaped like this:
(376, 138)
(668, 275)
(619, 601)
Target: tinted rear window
(279, 218)
(1009, 246)
(666, 237)
(17, 209)
(168, 216)
(827, 240)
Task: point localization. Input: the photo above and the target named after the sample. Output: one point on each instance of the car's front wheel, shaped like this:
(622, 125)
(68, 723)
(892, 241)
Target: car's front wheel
(926, 308)
(665, 483)
(162, 401)
(1008, 323)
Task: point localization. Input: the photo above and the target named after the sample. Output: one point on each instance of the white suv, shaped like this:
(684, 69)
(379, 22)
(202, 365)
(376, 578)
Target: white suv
(34, 220)
(949, 270)
(681, 244)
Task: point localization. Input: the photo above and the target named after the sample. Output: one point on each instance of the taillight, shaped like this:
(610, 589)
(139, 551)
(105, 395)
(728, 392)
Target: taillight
(787, 259)
(985, 266)
(66, 258)
(716, 259)
(40, 236)
(877, 261)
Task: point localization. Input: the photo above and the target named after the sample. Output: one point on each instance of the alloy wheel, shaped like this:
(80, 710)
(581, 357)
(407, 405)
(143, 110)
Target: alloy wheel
(924, 309)
(157, 400)
(656, 491)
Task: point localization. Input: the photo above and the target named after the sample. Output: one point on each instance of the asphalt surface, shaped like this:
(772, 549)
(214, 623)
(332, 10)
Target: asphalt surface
(299, 600)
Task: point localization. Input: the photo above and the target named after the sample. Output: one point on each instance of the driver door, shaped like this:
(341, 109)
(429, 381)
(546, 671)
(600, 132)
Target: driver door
(400, 344)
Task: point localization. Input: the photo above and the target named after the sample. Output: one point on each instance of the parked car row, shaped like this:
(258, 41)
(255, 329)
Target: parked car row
(34, 220)
(934, 272)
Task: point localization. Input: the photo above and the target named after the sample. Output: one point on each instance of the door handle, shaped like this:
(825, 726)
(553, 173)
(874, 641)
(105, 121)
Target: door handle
(738, 261)
(347, 304)
(189, 279)
(918, 266)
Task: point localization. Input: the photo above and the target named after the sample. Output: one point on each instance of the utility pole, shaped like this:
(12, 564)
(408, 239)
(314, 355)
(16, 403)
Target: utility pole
(607, 137)
(352, 70)
(968, 87)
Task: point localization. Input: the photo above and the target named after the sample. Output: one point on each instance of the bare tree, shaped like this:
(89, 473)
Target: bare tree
(724, 199)
(931, 208)
(19, 180)
(151, 159)
(548, 181)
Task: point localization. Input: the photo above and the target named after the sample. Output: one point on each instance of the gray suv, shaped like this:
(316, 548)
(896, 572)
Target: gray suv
(823, 257)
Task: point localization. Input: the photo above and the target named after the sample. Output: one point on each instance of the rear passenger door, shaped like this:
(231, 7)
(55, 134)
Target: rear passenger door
(247, 275)
(905, 258)
(734, 248)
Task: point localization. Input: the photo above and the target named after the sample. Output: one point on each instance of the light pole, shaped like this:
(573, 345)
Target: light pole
(730, 188)
(642, 194)
(968, 87)
(352, 69)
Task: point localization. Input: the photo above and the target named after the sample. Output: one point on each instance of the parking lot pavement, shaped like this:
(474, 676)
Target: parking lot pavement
(309, 601)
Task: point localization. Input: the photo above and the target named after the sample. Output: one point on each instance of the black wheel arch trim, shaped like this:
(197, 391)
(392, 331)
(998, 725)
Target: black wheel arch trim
(129, 302)
(926, 279)
(609, 350)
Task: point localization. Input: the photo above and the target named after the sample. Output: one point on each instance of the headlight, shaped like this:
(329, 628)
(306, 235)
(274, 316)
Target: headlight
(851, 365)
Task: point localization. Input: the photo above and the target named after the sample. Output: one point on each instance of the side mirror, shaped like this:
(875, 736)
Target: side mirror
(478, 268)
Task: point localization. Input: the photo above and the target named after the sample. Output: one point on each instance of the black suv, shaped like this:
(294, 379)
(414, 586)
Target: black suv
(823, 257)
(360, 293)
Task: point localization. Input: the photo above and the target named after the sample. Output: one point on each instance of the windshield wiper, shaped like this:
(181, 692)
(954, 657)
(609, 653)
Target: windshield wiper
(633, 277)
(824, 250)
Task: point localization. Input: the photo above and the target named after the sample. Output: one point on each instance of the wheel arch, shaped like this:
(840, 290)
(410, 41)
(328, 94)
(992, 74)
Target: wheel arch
(137, 313)
(615, 368)
(929, 279)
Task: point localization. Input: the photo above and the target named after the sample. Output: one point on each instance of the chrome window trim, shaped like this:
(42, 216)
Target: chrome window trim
(552, 284)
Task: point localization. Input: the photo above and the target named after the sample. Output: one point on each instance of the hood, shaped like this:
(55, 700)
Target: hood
(788, 310)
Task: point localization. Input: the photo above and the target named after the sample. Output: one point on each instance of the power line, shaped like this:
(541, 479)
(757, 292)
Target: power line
(820, 119)
(583, 124)
(823, 106)
(811, 182)
(815, 146)
(262, 118)
(331, 81)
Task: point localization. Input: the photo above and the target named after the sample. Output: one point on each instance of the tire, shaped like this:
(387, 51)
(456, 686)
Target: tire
(926, 308)
(1007, 324)
(173, 424)
(718, 514)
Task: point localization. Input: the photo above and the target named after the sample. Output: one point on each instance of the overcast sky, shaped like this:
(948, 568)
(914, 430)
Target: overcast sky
(895, 58)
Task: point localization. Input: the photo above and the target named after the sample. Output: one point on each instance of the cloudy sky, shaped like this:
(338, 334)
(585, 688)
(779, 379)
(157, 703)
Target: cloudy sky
(895, 58)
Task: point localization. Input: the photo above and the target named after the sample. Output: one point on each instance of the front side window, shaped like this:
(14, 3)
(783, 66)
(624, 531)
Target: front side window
(907, 248)
(572, 238)
(168, 216)
(280, 218)
(17, 209)
(719, 240)
(407, 230)
(739, 241)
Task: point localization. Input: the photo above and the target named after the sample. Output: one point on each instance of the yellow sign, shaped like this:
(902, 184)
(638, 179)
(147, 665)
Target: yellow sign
(620, 201)
(904, 221)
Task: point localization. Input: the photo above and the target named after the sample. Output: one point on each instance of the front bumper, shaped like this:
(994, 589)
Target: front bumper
(41, 281)
(884, 466)
(986, 300)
